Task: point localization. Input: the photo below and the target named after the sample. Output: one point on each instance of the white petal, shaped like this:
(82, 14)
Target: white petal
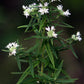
(79, 38)
(47, 28)
(59, 7)
(55, 35)
(66, 13)
(24, 7)
(59, 0)
(78, 34)
(46, 4)
(13, 53)
(52, 28)
(40, 5)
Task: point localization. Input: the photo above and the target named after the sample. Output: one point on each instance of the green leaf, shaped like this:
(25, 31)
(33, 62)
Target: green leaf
(42, 23)
(58, 71)
(22, 60)
(67, 25)
(45, 76)
(37, 32)
(23, 76)
(23, 26)
(73, 51)
(53, 50)
(39, 37)
(66, 74)
(64, 25)
(49, 52)
(18, 62)
(16, 72)
(29, 25)
(66, 81)
(59, 32)
(5, 50)
(31, 66)
(29, 80)
(26, 73)
(32, 48)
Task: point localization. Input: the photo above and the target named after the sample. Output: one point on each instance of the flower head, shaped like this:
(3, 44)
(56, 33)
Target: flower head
(55, 0)
(65, 13)
(76, 37)
(12, 48)
(43, 8)
(51, 32)
(29, 9)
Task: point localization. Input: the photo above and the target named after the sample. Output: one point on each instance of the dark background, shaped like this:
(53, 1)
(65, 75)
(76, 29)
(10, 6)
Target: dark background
(11, 16)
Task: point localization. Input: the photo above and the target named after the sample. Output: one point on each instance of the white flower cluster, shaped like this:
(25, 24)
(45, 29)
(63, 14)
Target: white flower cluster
(52, 0)
(55, 0)
(12, 48)
(29, 9)
(51, 32)
(77, 36)
(65, 13)
(43, 9)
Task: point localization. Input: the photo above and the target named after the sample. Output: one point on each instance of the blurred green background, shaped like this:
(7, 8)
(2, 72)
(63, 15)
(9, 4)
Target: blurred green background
(11, 16)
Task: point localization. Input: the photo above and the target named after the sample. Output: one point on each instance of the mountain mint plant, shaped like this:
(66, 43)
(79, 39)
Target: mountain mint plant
(44, 64)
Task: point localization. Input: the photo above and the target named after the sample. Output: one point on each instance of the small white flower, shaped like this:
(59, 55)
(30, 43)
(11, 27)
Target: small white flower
(51, 32)
(43, 8)
(77, 36)
(46, 4)
(55, 0)
(37, 81)
(12, 48)
(29, 9)
(27, 12)
(59, 7)
(65, 13)
(24, 7)
(40, 5)
(43, 11)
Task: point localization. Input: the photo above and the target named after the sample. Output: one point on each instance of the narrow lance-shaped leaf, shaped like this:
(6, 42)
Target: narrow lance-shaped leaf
(23, 26)
(73, 51)
(29, 25)
(39, 37)
(53, 50)
(26, 73)
(31, 66)
(49, 52)
(57, 72)
(66, 81)
(42, 23)
(32, 48)
(45, 76)
(16, 72)
(18, 62)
